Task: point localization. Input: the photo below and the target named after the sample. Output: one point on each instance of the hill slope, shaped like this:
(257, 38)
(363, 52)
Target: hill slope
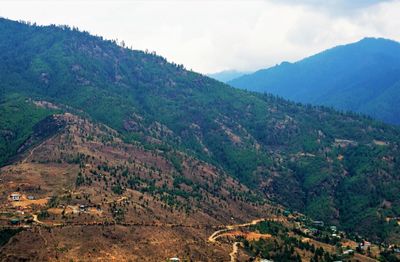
(310, 159)
(362, 77)
(84, 178)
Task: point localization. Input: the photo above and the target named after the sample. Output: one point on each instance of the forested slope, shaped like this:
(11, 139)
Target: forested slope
(334, 166)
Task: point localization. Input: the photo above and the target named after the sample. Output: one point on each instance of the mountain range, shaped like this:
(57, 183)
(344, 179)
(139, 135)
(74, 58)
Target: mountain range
(227, 75)
(362, 77)
(98, 135)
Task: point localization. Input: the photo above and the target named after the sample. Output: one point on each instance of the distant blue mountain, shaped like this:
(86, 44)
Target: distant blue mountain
(227, 75)
(362, 77)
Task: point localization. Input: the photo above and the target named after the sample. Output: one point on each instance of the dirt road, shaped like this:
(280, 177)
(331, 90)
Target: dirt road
(228, 228)
(35, 219)
(222, 232)
(234, 252)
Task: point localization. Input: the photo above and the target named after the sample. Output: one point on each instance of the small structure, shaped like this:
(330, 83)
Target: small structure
(15, 196)
(333, 228)
(31, 197)
(318, 223)
(174, 259)
(348, 252)
(364, 245)
(82, 208)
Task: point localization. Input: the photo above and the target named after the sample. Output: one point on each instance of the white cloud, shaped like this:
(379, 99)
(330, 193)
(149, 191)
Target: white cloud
(337, 7)
(210, 36)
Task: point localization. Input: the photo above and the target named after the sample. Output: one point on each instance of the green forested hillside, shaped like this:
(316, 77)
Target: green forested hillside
(362, 77)
(18, 117)
(338, 167)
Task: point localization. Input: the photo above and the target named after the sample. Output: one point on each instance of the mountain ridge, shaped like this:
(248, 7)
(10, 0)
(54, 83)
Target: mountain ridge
(227, 75)
(353, 77)
(307, 158)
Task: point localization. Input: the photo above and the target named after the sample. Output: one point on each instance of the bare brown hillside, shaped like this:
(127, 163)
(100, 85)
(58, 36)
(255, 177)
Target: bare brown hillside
(85, 194)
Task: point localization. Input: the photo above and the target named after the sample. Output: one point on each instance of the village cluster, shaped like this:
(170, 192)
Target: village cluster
(22, 210)
(347, 244)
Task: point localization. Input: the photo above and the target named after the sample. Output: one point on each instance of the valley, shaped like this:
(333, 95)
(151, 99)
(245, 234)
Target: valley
(114, 154)
(49, 195)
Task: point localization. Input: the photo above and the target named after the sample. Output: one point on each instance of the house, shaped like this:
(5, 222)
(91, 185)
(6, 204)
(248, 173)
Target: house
(15, 196)
(348, 252)
(318, 223)
(364, 245)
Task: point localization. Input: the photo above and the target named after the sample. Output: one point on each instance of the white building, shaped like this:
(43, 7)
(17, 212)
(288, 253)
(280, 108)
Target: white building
(348, 252)
(15, 196)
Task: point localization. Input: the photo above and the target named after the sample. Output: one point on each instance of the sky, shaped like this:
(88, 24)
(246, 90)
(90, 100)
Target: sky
(210, 36)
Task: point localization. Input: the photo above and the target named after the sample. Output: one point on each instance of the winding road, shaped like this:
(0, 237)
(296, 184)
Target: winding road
(222, 232)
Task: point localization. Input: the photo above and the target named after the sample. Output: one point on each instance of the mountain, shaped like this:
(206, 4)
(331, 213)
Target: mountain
(362, 77)
(227, 75)
(111, 148)
(84, 178)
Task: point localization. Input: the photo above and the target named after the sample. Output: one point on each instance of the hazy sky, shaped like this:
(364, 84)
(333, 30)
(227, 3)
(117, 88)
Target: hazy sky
(210, 36)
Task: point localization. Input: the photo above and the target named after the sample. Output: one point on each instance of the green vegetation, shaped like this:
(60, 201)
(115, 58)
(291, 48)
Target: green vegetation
(282, 247)
(18, 117)
(361, 77)
(7, 234)
(117, 189)
(269, 227)
(80, 180)
(311, 159)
